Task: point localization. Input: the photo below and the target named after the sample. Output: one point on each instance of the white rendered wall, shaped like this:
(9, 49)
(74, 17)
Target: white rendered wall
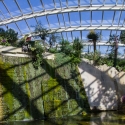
(101, 90)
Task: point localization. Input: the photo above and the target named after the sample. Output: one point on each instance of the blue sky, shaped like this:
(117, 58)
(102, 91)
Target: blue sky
(62, 19)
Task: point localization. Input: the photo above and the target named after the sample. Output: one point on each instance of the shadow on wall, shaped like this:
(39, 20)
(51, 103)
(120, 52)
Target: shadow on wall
(101, 90)
(51, 91)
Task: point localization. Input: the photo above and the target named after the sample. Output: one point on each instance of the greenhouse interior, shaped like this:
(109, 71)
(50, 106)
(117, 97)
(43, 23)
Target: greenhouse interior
(62, 62)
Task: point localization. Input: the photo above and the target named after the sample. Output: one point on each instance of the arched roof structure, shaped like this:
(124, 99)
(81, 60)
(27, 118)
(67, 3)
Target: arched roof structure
(70, 18)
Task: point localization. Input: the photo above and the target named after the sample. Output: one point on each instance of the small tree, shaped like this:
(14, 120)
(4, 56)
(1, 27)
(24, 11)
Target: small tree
(41, 32)
(11, 36)
(77, 46)
(94, 37)
(122, 37)
(113, 40)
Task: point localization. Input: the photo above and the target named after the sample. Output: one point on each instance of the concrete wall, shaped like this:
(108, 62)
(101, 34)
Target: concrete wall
(101, 85)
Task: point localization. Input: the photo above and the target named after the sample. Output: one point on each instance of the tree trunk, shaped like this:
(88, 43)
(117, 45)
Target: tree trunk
(94, 45)
(115, 54)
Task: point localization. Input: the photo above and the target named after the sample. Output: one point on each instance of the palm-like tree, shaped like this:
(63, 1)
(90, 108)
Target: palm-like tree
(94, 37)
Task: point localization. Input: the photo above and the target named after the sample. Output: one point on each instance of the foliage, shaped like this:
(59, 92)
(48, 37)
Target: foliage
(93, 35)
(37, 51)
(53, 50)
(11, 36)
(8, 37)
(72, 50)
(122, 37)
(107, 60)
(77, 47)
(66, 47)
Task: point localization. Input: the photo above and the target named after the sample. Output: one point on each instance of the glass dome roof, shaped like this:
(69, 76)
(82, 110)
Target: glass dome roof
(71, 18)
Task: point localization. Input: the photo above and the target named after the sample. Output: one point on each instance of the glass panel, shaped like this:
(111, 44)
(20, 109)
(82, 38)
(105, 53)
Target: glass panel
(105, 35)
(14, 27)
(76, 34)
(63, 3)
(122, 18)
(24, 6)
(85, 18)
(66, 19)
(53, 21)
(23, 27)
(61, 20)
(36, 5)
(107, 18)
(110, 2)
(69, 36)
(72, 2)
(4, 27)
(11, 5)
(84, 2)
(74, 18)
(84, 35)
(1, 17)
(120, 2)
(96, 20)
(104, 49)
(57, 2)
(64, 35)
(121, 51)
(32, 23)
(43, 21)
(48, 4)
(113, 32)
(116, 19)
(97, 2)
(118, 33)
(4, 11)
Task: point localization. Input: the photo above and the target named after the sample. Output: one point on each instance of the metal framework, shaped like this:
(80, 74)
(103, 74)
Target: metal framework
(115, 7)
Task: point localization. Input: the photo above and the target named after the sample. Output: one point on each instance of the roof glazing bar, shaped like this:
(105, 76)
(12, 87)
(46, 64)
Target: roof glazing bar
(67, 4)
(30, 6)
(113, 17)
(54, 4)
(18, 28)
(102, 17)
(69, 20)
(18, 6)
(58, 21)
(42, 5)
(6, 8)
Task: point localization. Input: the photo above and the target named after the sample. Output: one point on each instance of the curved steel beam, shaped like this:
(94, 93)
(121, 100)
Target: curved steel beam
(63, 10)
